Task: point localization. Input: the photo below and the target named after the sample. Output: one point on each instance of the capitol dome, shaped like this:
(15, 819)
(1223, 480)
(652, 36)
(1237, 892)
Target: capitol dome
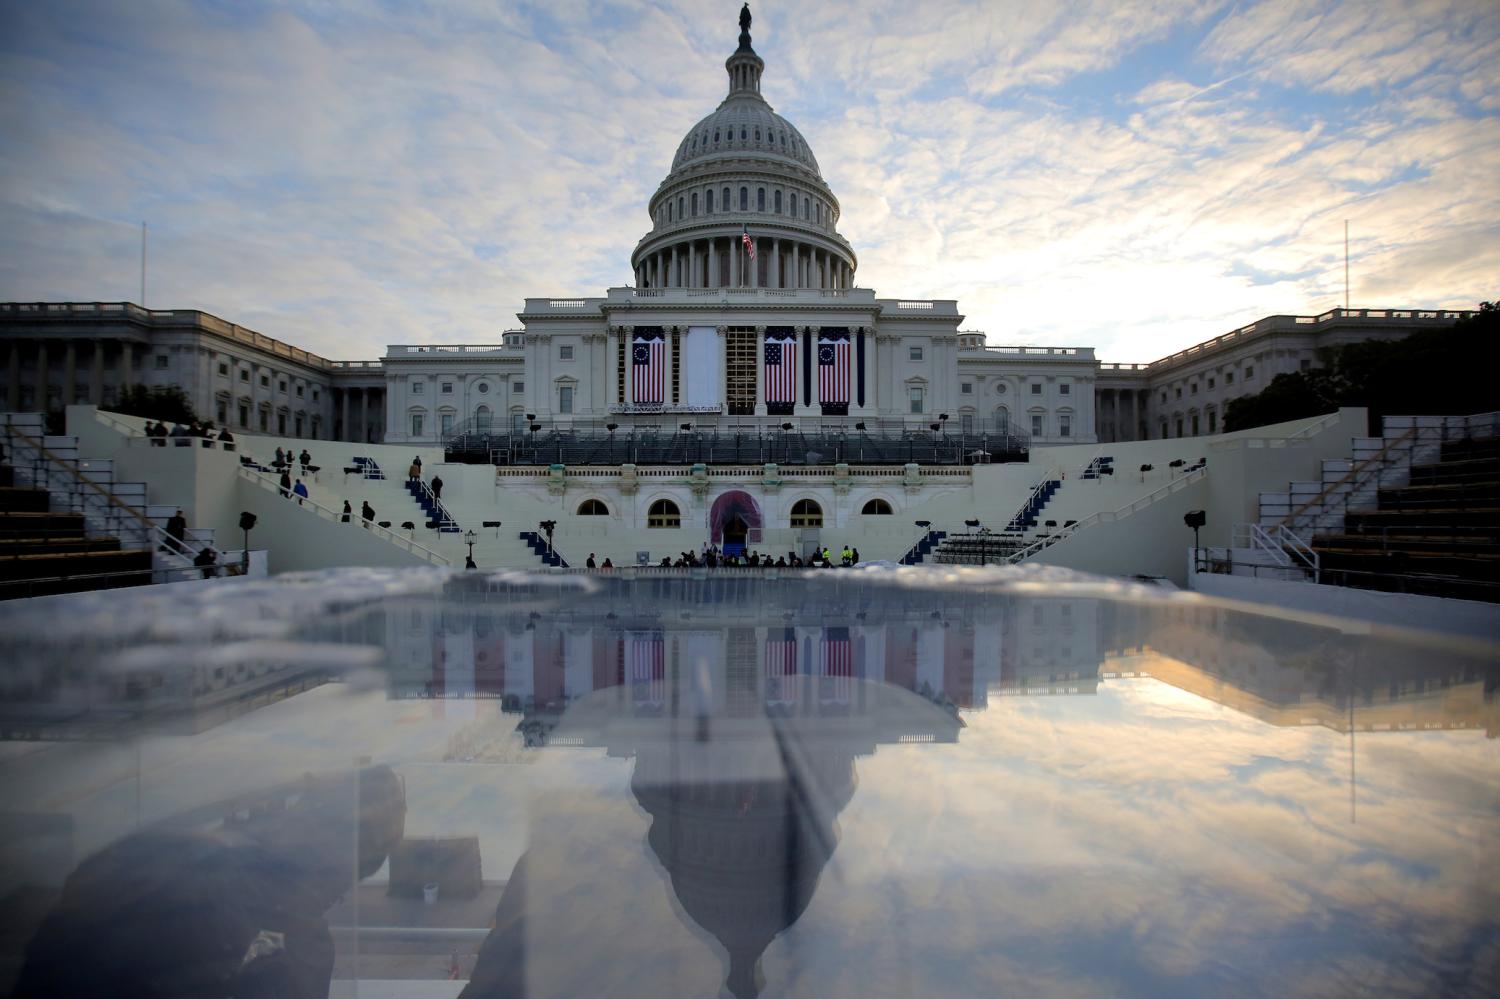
(744, 170)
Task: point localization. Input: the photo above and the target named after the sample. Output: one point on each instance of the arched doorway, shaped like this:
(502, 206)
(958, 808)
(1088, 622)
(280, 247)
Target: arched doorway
(735, 532)
(735, 510)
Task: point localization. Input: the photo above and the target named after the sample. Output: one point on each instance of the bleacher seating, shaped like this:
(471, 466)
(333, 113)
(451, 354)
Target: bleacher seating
(979, 549)
(1438, 535)
(43, 552)
(594, 445)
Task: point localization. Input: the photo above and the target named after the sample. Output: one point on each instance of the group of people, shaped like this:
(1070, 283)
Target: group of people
(286, 458)
(157, 432)
(207, 560)
(366, 513)
(711, 557)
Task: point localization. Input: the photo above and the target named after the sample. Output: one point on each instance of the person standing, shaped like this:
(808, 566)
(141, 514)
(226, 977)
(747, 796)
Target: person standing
(348, 513)
(414, 473)
(590, 564)
(437, 487)
(300, 490)
(286, 481)
(366, 513)
(306, 460)
(176, 533)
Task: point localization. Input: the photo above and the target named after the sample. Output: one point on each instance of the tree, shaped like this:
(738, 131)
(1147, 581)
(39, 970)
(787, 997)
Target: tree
(163, 402)
(1438, 372)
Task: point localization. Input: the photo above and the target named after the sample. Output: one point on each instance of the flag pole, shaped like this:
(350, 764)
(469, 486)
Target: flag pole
(1346, 265)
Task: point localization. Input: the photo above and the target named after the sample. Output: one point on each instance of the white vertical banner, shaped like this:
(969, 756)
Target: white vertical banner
(930, 657)
(578, 663)
(700, 367)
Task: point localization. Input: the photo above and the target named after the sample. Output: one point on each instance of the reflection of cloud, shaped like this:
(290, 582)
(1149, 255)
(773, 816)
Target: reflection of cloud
(346, 179)
(1176, 845)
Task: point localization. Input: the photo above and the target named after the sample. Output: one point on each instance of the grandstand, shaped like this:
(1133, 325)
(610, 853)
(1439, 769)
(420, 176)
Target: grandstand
(596, 442)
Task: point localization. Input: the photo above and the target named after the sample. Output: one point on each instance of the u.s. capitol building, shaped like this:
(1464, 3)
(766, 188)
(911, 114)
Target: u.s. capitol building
(745, 315)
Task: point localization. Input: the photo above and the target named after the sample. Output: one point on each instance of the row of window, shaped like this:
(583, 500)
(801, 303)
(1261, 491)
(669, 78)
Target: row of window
(163, 362)
(665, 513)
(778, 137)
(686, 205)
(419, 385)
(1209, 382)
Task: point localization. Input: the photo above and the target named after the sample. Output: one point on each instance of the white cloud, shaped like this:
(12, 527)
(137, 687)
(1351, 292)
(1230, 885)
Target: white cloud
(344, 178)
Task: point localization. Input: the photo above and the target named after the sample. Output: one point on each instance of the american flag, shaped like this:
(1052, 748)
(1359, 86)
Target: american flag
(648, 368)
(781, 368)
(646, 661)
(833, 368)
(781, 666)
(749, 243)
(838, 665)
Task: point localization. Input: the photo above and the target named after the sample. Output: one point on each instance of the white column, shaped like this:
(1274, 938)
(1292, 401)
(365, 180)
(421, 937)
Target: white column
(692, 281)
(713, 263)
(734, 264)
(775, 275)
(96, 376)
(344, 427)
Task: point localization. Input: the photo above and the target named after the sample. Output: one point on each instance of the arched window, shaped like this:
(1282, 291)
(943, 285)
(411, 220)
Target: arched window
(877, 507)
(794, 205)
(593, 508)
(743, 134)
(1002, 420)
(664, 513)
(708, 201)
(757, 133)
(744, 199)
(482, 419)
(818, 213)
(726, 200)
(760, 199)
(807, 513)
(783, 139)
(695, 204)
(778, 202)
(669, 211)
(679, 208)
(807, 209)
(716, 135)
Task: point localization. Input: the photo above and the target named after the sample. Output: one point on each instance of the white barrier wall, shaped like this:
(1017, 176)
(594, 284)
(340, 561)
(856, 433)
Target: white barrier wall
(1396, 610)
(296, 538)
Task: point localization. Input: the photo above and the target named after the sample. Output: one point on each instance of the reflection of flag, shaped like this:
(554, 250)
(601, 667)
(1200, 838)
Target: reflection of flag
(833, 368)
(838, 665)
(749, 243)
(646, 661)
(781, 666)
(781, 369)
(648, 368)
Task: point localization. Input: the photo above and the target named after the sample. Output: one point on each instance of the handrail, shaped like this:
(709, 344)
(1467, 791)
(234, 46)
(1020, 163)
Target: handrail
(1047, 477)
(1180, 482)
(337, 516)
(108, 496)
(1357, 469)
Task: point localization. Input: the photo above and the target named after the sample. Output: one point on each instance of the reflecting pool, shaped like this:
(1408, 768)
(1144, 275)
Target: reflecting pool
(848, 783)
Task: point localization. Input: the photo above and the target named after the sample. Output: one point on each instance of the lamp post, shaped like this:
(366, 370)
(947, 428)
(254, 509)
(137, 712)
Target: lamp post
(247, 521)
(1195, 519)
(469, 537)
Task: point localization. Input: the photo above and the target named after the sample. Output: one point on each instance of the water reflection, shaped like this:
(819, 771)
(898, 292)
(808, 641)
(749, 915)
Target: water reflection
(753, 751)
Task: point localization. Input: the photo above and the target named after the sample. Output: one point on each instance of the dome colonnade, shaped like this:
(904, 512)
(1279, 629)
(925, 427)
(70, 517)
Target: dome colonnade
(742, 169)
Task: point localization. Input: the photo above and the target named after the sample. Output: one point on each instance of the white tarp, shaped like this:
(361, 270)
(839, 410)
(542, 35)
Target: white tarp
(700, 367)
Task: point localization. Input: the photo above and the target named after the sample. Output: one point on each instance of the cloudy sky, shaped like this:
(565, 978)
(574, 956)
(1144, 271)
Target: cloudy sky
(1131, 176)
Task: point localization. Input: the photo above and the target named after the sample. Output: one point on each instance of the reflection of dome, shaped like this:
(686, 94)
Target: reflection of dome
(744, 168)
(744, 855)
